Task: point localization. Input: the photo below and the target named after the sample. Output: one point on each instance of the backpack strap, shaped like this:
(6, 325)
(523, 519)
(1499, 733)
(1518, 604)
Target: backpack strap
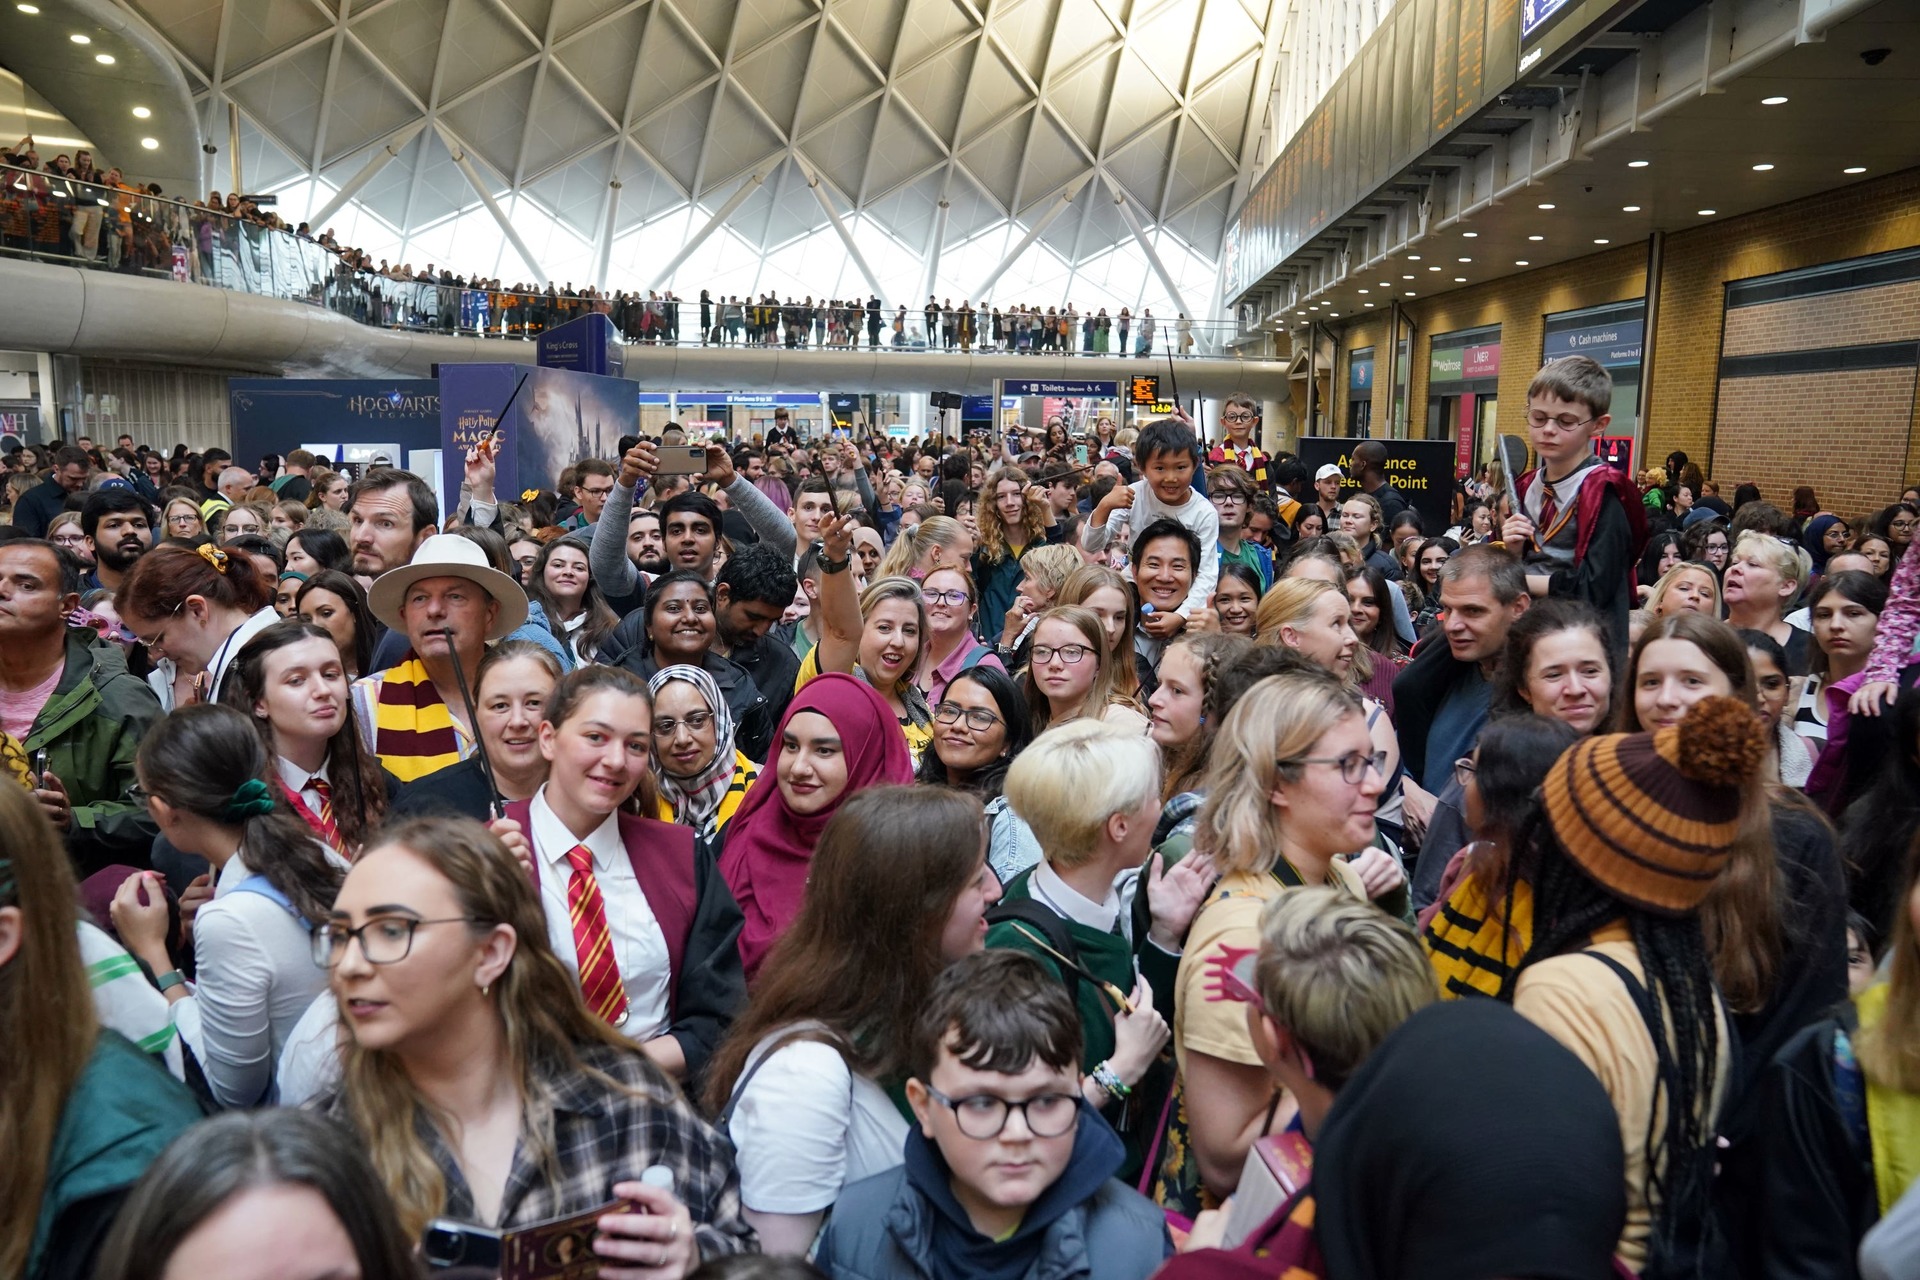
(1050, 927)
(975, 656)
(793, 1035)
(261, 886)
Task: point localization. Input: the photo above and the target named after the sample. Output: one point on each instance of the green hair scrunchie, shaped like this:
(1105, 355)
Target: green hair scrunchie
(253, 799)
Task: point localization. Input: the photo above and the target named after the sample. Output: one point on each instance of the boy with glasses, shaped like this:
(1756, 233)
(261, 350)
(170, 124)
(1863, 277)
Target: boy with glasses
(1583, 524)
(1240, 416)
(1007, 1173)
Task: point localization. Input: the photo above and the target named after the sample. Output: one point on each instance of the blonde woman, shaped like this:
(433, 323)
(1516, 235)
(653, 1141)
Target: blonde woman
(1014, 516)
(1763, 578)
(1292, 787)
(1108, 593)
(877, 635)
(1315, 620)
(1688, 587)
(1070, 674)
(919, 550)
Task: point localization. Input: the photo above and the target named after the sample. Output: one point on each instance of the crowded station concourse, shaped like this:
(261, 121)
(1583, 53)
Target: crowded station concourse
(1263, 822)
(1015, 900)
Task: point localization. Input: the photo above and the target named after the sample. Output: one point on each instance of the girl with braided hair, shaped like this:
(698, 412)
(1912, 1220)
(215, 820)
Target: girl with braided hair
(208, 779)
(1634, 834)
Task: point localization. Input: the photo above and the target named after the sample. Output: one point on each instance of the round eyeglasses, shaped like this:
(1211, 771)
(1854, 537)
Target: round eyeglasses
(1353, 766)
(983, 1116)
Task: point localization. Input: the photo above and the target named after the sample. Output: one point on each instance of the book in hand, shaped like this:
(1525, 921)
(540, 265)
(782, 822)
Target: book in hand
(557, 1249)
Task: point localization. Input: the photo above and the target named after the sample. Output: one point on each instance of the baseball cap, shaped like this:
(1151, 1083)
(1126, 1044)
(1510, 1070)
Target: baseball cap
(1327, 469)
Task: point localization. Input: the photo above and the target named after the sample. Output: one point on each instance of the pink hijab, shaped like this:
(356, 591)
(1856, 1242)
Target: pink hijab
(768, 847)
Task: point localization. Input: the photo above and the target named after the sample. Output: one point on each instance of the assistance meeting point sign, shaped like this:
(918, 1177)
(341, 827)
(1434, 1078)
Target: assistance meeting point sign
(1422, 471)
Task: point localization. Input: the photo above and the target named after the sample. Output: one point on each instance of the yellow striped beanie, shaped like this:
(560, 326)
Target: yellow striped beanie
(1652, 817)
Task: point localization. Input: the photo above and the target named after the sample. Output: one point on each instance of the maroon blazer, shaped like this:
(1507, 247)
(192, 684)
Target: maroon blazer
(662, 858)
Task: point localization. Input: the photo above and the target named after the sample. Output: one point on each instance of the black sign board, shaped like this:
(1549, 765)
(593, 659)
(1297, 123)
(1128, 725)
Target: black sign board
(1420, 470)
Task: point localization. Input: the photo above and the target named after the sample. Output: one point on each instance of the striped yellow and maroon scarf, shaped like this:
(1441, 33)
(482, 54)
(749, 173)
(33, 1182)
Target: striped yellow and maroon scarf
(413, 732)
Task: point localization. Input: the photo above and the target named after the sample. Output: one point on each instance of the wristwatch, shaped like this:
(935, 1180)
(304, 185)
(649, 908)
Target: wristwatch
(170, 979)
(831, 566)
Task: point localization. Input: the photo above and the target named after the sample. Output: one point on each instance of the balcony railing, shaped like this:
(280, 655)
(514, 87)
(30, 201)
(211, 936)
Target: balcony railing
(48, 218)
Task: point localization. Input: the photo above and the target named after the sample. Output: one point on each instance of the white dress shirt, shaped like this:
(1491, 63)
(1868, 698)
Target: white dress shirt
(256, 977)
(161, 678)
(1047, 888)
(300, 782)
(639, 946)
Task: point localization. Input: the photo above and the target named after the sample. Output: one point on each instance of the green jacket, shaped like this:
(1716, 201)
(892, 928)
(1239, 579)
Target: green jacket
(90, 729)
(121, 1115)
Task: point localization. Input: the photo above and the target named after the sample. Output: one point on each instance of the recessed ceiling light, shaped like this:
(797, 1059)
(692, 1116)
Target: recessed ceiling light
(1776, 100)
(151, 144)
(28, 8)
(141, 113)
(1546, 206)
(1430, 269)
(1707, 213)
(1459, 279)
(1408, 277)
(1762, 168)
(1333, 315)
(1638, 164)
(1602, 240)
(77, 38)
(1413, 257)
(104, 59)
(1466, 259)
(1536, 237)
(1857, 168)
(1471, 235)
(1629, 208)
(1521, 262)
(1366, 291)
(1388, 284)
(1409, 293)
(1366, 304)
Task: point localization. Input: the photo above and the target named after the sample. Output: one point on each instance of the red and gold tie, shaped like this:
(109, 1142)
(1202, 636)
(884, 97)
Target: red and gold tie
(328, 828)
(600, 981)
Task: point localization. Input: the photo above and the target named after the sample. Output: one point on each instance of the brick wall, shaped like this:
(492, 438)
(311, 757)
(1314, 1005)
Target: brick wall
(1857, 317)
(1864, 218)
(1843, 433)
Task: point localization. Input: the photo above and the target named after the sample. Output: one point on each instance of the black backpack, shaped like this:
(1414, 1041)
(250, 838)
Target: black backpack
(1052, 930)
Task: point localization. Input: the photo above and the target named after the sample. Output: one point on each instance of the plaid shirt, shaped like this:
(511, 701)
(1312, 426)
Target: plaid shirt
(602, 1137)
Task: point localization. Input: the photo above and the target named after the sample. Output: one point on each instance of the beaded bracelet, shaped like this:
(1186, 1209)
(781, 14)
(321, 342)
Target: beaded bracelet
(1109, 1080)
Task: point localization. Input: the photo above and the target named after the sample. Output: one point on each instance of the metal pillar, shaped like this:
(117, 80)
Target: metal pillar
(479, 185)
(375, 163)
(233, 143)
(725, 211)
(611, 216)
(933, 250)
(839, 227)
(1649, 331)
(1146, 246)
(1054, 210)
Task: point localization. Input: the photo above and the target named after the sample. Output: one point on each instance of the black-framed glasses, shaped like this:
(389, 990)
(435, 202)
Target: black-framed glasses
(1237, 417)
(983, 1116)
(977, 717)
(1463, 770)
(666, 727)
(387, 940)
(1068, 653)
(1353, 766)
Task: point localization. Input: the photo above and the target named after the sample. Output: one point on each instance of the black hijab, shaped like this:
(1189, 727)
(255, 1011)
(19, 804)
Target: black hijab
(1470, 1145)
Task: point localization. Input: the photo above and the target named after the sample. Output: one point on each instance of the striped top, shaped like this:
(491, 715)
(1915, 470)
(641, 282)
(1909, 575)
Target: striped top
(405, 721)
(125, 1001)
(1473, 952)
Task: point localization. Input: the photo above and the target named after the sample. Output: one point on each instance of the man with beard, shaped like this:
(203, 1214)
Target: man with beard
(121, 525)
(646, 547)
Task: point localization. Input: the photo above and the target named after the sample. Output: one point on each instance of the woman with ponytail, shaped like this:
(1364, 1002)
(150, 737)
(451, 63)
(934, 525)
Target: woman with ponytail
(208, 782)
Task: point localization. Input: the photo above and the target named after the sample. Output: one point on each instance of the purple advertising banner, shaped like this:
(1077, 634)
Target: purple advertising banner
(545, 420)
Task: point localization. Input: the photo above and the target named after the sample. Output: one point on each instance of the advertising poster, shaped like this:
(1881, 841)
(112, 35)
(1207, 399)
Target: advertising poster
(544, 420)
(1422, 470)
(345, 419)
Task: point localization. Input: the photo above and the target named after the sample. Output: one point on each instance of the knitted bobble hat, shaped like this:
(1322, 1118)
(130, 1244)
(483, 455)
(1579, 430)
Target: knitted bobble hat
(1651, 817)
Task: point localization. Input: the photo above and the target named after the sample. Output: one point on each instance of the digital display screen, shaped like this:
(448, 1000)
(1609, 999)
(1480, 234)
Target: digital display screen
(1535, 14)
(1142, 389)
